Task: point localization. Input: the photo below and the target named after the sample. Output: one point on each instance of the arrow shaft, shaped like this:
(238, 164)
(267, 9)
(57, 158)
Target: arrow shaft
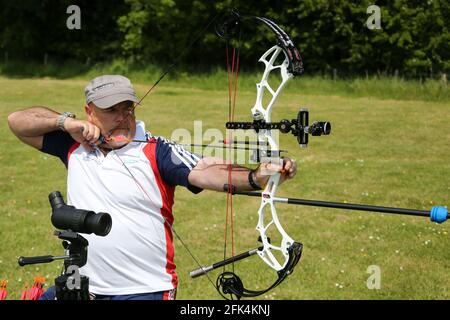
(234, 147)
(346, 206)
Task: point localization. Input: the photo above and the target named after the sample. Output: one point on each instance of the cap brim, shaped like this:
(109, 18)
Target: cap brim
(109, 101)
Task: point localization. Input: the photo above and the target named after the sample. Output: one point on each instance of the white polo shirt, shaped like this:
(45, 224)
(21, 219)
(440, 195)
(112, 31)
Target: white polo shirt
(135, 185)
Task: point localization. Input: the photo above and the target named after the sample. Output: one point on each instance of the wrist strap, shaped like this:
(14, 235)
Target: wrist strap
(252, 182)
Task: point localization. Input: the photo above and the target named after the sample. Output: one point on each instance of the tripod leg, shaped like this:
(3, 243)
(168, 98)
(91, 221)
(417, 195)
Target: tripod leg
(63, 292)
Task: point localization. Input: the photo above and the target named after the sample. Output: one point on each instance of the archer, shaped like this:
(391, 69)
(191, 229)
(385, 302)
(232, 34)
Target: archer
(114, 165)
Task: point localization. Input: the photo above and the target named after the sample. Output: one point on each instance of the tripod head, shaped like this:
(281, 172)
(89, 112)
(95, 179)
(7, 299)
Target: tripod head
(76, 248)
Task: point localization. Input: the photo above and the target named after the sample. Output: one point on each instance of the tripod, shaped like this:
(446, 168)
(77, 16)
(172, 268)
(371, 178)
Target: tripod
(69, 285)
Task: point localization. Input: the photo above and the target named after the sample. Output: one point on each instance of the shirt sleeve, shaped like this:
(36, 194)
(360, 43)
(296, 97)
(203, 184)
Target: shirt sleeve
(58, 143)
(175, 163)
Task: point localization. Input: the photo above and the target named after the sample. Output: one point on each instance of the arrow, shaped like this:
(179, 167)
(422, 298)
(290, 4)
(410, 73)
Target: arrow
(437, 214)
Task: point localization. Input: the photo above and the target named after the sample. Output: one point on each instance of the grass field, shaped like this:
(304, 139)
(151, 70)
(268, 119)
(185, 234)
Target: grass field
(388, 147)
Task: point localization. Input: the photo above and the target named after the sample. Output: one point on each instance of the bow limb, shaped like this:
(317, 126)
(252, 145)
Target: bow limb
(269, 58)
(267, 212)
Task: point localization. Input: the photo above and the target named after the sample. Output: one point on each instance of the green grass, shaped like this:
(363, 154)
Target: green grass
(379, 87)
(389, 146)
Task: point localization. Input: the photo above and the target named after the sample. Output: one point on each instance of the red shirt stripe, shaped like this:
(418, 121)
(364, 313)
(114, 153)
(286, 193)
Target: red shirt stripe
(167, 194)
(72, 149)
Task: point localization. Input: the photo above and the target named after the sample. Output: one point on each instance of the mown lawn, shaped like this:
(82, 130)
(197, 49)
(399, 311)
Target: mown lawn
(382, 151)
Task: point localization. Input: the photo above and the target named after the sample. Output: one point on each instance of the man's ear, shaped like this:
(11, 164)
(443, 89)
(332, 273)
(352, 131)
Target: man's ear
(88, 109)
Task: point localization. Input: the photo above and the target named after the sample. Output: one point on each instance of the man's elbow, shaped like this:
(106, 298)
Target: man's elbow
(13, 121)
(18, 125)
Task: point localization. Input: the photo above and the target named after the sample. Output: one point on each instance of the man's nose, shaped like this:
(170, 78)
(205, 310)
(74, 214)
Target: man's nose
(124, 113)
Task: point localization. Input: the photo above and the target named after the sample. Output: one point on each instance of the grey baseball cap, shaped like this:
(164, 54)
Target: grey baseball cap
(108, 90)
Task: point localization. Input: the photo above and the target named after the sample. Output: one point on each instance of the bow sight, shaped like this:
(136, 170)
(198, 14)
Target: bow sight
(299, 127)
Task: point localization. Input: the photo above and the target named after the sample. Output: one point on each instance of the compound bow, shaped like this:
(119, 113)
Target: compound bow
(288, 251)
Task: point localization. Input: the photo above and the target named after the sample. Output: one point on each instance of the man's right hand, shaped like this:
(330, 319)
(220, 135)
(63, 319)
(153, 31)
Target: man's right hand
(83, 132)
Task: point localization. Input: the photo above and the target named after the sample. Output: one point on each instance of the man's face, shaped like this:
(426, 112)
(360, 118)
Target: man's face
(117, 122)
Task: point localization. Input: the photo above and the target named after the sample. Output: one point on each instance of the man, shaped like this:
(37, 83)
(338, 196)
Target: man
(116, 166)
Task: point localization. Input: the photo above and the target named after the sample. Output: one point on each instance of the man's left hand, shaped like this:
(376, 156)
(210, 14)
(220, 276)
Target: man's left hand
(287, 171)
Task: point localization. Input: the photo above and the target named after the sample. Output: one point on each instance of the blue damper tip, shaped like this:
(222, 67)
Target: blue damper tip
(438, 214)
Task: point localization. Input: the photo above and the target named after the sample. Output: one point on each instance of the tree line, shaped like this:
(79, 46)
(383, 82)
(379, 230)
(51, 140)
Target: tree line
(412, 39)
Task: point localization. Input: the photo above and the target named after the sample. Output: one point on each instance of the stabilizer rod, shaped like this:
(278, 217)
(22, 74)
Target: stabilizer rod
(205, 269)
(437, 214)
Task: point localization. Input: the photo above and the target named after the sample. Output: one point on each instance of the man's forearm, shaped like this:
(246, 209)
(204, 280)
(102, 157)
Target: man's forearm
(216, 177)
(33, 122)
(238, 178)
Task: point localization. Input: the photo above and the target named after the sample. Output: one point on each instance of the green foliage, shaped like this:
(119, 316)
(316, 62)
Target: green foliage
(414, 39)
(31, 29)
(377, 87)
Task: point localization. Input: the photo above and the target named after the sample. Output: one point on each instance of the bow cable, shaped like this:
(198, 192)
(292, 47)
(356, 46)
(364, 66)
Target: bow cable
(233, 76)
